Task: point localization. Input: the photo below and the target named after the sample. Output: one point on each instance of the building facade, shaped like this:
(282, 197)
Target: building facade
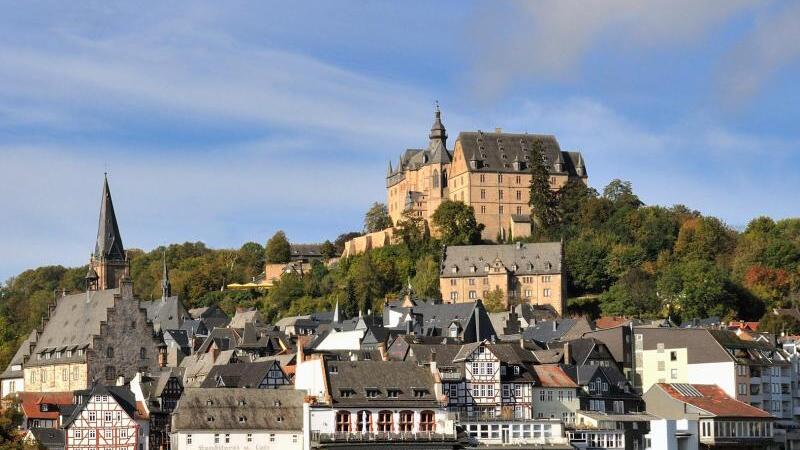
(525, 273)
(488, 171)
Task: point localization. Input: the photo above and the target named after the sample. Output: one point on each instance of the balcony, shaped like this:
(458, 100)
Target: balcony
(355, 437)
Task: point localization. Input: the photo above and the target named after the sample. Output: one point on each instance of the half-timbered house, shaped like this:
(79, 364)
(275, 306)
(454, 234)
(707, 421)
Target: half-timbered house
(105, 418)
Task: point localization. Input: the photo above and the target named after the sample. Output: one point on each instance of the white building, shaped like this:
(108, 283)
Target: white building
(242, 419)
(105, 418)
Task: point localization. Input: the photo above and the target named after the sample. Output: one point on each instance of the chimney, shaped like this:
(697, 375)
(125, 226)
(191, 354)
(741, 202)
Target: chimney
(522, 343)
(477, 325)
(567, 355)
(555, 325)
(382, 350)
(301, 355)
(409, 326)
(498, 130)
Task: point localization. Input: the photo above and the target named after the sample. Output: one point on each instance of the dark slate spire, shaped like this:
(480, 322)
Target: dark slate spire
(389, 172)
(438, 131)
(166, 287)
(109, 241)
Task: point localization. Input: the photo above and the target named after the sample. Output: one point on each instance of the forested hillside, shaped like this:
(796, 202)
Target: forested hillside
(623, 258)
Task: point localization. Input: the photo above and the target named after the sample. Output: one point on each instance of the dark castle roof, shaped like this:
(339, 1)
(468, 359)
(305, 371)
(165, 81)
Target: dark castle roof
(109, 241)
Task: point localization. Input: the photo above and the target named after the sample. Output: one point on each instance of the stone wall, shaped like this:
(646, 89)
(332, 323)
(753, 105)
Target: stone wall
(369, 241)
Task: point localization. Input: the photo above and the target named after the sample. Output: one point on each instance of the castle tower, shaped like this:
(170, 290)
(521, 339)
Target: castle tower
(108, 262)
(440, 161)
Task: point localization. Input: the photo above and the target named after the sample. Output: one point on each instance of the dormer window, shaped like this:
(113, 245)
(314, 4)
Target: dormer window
(454, 269)
(242, 419)
(516, 370)
(333, 369)
(209, 402)
(346, 393)
(276, 403)
(209, 419)
(242, 402)
(420, 393)
(279, 418)
(372, 393)
(473, 269)
(393, 393)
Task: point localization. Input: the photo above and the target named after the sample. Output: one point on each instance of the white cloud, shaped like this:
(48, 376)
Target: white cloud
(548, 39)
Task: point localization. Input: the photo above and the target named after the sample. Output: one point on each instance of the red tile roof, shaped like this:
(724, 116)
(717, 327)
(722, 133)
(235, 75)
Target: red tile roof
(553, 376)
(749, 326)
(606, 322)
(713, 399)
(31, 401)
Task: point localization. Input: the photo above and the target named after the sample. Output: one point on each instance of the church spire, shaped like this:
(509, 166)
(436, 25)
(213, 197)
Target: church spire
(166, 287)
(109, 241)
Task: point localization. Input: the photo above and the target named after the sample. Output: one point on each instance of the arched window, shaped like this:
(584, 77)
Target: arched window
(385, 421)
(142, 353)
(343, 421)
(110, 352)
(435, 178)
(427, 421)
(364, 420)
(406, 421)
(444, 178)
(111, 373)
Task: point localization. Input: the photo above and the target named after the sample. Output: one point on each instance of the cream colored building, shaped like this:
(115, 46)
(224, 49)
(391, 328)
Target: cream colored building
(488, 171)
(525, 273)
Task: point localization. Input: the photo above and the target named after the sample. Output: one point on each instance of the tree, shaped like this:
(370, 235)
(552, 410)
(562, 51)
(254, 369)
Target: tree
(633, 295)
(426, 278)
(697, 289)
(278, 248)
(377, 218)
(328, 250)
(494, 301)
(456, 223)
(586, 258)
(704, 238)
(350, 307)
(543, 202)
(572, 198)
(251, 258)
(342, 239)
(620, 193)
(779, 324)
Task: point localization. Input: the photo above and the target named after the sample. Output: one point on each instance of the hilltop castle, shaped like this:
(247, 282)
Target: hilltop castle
(489, 171)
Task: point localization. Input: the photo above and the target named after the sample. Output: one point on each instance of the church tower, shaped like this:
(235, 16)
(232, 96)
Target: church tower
(108, 262)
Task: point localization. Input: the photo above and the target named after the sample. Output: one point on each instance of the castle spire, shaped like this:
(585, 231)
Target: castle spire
(437, 147)
(166, 287)
(109, 242)
(438, 131)
(389, 172)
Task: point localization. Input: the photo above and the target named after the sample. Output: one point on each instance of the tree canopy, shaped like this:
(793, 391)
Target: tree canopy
(377, 218)
(278, 248)
(456, 223)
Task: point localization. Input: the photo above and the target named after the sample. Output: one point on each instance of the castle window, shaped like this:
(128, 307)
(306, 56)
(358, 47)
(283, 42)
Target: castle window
(519, 195)
(111, 373)
(501, 209)
(483, 178)
(436, 178)
(501, 194)
(499, 177)
(142, 353)
(483, 194)
(519, 180)
(546, 292)
(519, 210)
(483, 209)
(110, 352)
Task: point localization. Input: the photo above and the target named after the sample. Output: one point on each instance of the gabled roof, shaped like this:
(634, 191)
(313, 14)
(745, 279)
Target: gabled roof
(23, 352)
(244, 316)
(350, 380)
(477, 260)
(239, 409)
(122, 395)
(554, 330)
(109, 240)
(712, 399)
(605, 322)
(50, 438)
(74, 322)
(165, 313)
(31, 402)
(241, 375)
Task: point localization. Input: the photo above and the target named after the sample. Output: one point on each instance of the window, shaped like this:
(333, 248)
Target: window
(500, 194)
(92, 434)
(546, 292)
(272, 437)
(406, 421)
(110, 352)
(502, 210)
(111, 373)
(660, 347)
(392, 393)
(420, 393)
(472, 281)
(107, 434)
(660, 366)
(342, 421)
(372, 393)
(427, 421)
(385, 421)
(78, 434)
(518, 390)
(473, 295)
(483, 178)
(673, 356)
(142, 353)
(92, 416)
(364, 421)
(64, 374)
(519, 195)
(44, 376)
(216, 438)
(453, 295)
(673, 374)
(227, 438)
(499, 177)
(483, 194)
(519, 210)
(249, 437)
(483, 209)
(452, 281)
(107, 416)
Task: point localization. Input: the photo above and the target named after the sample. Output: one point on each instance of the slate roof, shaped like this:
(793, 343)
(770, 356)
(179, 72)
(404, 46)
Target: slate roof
(497, 152)
(241, 375)
(437, 317)
(51, 438)
(476, 260)
(711, 398)
(74, 322)
(109, 240)
(550, 375)
(239, 409)
(356, 377)
(224, 338)
(255, 337)
(211, 316)
(181, 337)
(543, 332)
(197, 366)
(23, 352)
(165, 313)
(306, 250)
(244, 316)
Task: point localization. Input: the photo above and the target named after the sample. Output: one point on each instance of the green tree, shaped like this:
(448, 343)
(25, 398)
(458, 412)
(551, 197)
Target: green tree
(572, 199)
(456, 223)
(779, 324)
(328, 250)
(494, 301)
(278, 248)
(543, 201)
(342, 239)
(350, 307)
(704, 238)
(620, 193)
(586, 259)
(633, 295)
(377, 218)
(426, 278)
(697, 289)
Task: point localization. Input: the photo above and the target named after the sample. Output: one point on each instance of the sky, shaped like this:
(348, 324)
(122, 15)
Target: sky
(224, 122)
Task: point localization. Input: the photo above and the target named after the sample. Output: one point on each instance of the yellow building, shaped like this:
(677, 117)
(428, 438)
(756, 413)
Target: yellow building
(525, 273)
(489, 171)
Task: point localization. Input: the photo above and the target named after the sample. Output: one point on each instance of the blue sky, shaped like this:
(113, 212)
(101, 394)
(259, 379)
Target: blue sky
(226, 121)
